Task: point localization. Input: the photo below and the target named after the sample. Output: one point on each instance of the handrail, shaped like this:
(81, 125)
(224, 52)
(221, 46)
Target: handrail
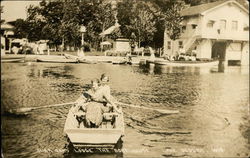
(191, 40)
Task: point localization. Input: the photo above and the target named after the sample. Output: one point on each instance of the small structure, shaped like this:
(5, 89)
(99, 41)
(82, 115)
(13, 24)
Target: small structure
(6, 37)
(118, 45)
(106, 45)
(122, 45)
(42, 46)
(213, 30)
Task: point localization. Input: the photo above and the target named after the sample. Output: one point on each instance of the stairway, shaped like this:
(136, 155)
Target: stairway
(190, 44)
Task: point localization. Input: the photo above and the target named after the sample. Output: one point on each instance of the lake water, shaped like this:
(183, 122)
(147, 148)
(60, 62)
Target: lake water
(213, 119)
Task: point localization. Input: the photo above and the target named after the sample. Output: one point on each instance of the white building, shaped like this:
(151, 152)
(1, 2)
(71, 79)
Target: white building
(118, 45)
(212, 30)
(6, 31)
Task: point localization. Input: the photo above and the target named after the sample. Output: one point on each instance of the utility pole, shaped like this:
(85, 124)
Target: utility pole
(82, 30)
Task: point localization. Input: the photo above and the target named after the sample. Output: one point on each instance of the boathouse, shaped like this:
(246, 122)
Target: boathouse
(7, 32)
(213, 30)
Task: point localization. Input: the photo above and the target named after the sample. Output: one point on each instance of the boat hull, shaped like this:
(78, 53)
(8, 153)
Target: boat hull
(187, 63)
(12, 60)
(57, 60)
(93, 137)
(133, 62)
(119, 62)
(84, 61)
(80, 59)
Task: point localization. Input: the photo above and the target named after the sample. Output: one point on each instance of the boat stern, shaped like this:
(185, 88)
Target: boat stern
(93, 137)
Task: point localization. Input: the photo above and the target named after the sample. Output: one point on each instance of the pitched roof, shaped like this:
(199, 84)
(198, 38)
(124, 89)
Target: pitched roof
(110, 30)
(6, 26)
(195, 10)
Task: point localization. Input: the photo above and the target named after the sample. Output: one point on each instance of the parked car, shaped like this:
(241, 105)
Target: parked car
(186, 57)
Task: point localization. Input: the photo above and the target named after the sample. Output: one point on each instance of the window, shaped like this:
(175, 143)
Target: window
(223, 24)
(183, 28)
(194, 26)
(180, 44)
(235, 47)
(169, 44)
(210, 24)
(246, 27)
(234, 25)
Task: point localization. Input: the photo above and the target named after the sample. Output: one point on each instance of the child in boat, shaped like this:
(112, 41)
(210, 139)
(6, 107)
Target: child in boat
(94, 107)
(79, 108)
(96, 102)
(89, 107)
(100, 102)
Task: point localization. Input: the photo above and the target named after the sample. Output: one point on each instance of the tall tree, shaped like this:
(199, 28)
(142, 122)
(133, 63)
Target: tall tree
(35, 23)
(70, 23)
(52, 13)
(137, 17)
(170, 13)
(21, 29)
(173, 19)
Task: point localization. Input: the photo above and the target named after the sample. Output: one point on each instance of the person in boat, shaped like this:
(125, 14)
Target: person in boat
(95, 106)
(100, 103)
(95, 102)
(104, 80)
(91, 104)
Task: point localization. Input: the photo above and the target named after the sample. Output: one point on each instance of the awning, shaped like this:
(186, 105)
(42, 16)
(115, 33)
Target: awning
(105, 43)
(17, 41)
(21, 41)
(6, 27)
(8, 32)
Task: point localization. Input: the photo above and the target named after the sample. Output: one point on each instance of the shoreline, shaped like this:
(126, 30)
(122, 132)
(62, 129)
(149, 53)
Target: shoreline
(60, 55)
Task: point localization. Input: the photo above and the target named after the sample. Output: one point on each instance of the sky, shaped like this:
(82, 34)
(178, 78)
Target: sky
(15, 9)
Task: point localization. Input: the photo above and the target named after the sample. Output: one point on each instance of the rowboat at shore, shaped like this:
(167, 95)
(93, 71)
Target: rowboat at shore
(80, 59)
(86, 61)
(57, 60)
(122, 61)
(106, 135)
(133, 62)
(12, 59)
(186, 63)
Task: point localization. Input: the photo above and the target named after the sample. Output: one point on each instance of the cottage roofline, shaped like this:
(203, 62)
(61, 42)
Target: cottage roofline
(192, 11)
(227, 2)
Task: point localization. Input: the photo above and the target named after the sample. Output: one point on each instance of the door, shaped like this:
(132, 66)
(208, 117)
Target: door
(219, 50)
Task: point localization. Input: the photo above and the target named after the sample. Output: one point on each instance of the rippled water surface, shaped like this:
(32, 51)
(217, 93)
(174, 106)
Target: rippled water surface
(213, 118)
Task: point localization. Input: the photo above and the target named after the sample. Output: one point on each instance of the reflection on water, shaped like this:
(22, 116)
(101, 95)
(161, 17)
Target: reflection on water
(55, 72)
(164, 69)
(213, 119)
